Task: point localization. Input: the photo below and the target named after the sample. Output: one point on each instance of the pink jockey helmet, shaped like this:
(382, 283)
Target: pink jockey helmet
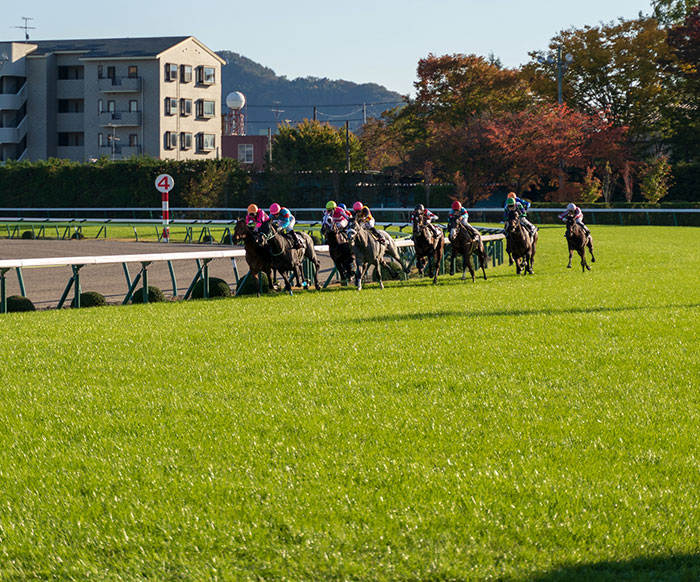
(357, 206)
(275, 208)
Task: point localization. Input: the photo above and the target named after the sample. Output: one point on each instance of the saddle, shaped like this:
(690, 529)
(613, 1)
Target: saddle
(341, 236)
(295, 240)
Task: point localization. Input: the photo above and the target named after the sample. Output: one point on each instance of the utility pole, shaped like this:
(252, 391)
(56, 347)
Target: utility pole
(314, 113)
(347, 145)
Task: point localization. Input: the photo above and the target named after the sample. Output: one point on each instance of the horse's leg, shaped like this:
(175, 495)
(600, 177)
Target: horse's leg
(590, 248)
(358, 276)
(482, 258)
(378, 269)
(571, 254)
(437, 254)
(453, 258)
(420, 262)
(287, 282)
(471, 267)
(584, 264)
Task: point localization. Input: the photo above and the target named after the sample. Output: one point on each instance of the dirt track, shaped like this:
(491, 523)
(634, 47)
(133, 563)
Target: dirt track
(45, 285)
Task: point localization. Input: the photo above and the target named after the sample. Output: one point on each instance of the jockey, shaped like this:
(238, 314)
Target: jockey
(255, 217)
(365, 219)
(341, 217)
(459, 213)
(513, 205)
(575, 211)
(327, 218)
(285, 221)
(428, 217)
(521, 206)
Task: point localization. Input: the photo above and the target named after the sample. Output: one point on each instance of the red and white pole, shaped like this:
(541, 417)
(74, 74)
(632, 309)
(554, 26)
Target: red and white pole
(166, 216)
(164, 184)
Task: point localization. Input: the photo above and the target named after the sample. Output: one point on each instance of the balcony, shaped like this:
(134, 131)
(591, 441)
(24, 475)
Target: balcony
(14, 134)
(14, 101)
(119, 152)
(120, 85)
(120, 119)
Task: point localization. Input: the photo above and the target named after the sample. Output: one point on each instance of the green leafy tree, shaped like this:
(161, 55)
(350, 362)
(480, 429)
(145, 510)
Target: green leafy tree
(655, 179)
(670, 12)
(315, 146)
(617, 69)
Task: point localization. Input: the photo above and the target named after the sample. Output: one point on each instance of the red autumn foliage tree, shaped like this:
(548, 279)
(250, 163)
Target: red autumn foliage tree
(532, 144)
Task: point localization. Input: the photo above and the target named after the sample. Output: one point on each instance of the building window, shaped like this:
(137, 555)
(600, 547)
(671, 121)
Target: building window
(186, 73)
(133, 140)
(170, 72)
(206, 75)
(185, 141)
(206, 108)
(170, 106)
(100, 140)
(111, 73)
(185, 107)
(100, 106)
(245, 153)
(100, 72)
(70, 73)
(207, 141)
(71, 139)
(170, 140)
(111, 106)
(133, 105)
(133, 71)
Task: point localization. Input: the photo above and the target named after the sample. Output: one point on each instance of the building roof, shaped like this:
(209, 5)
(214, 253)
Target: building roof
(97, 48)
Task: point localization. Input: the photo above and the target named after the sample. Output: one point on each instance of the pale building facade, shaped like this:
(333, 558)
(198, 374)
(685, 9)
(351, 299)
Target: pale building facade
(84, 99)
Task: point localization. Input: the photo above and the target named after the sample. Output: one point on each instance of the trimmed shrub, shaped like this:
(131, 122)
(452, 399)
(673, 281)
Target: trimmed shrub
(250, 287)
(388, 274)
(155, 295)
(27, 234)
(227, 240)
(78, 236)
(217, 288)
(16, 303)
(91, 299)
(207, 239)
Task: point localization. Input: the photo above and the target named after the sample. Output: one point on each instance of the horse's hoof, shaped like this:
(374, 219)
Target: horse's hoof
(568, 266)
(592, 259)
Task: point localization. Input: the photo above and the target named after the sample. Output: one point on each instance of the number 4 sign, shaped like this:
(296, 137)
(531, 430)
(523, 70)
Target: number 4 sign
(164, 183)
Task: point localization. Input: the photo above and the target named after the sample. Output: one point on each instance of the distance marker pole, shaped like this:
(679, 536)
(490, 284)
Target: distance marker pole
(166, 216)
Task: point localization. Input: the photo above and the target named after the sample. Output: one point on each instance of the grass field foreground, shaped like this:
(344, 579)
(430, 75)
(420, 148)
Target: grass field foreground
(540, 427)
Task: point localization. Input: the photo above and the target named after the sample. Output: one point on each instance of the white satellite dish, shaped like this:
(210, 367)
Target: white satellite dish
(235, 100)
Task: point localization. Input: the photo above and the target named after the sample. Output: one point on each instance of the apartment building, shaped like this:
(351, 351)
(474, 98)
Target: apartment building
(83, 99)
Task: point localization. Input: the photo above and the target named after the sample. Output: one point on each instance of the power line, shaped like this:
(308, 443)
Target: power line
(329, 105)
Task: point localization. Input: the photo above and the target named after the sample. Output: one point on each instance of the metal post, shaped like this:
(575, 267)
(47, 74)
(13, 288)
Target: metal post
(347, 145)
(3, 291)
(144, 270)
(76, 285)
(172, 277)
(20, 280)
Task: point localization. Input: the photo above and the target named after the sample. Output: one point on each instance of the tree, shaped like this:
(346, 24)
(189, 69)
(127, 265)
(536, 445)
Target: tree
(536, 144)
(655, 179)
(314, 146)
(454, 88)
(684, 40)
(616, 68)
(670, 12)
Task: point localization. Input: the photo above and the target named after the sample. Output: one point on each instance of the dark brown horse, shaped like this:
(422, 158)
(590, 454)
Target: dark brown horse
(340, 251)
(520, 243)
(578, 240)
(257, 256)
(286, 258)
(464, 244)
(428, 244)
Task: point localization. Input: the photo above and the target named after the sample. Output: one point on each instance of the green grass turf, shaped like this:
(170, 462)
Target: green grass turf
(542, 427)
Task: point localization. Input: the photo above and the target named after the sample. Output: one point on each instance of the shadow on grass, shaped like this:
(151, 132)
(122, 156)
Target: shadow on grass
(517, 312)
(680, 568)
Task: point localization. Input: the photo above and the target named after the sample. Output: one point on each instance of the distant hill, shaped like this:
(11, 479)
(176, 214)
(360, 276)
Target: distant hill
(265, 91)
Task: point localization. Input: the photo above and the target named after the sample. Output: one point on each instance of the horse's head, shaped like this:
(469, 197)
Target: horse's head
(513, 219)
(240, 230)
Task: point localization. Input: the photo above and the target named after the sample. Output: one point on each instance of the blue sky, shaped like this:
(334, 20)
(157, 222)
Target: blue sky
(377, 41)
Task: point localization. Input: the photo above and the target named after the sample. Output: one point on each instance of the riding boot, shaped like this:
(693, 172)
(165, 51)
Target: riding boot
(475, 233)
(377, 235)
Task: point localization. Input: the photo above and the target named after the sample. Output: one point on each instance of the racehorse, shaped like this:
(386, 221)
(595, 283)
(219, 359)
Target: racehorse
(520, 243)
(578, 240)
(428, 245)
(369, 251)
(340, 250)
(286, 258)
(257, 256)
(464, 244)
